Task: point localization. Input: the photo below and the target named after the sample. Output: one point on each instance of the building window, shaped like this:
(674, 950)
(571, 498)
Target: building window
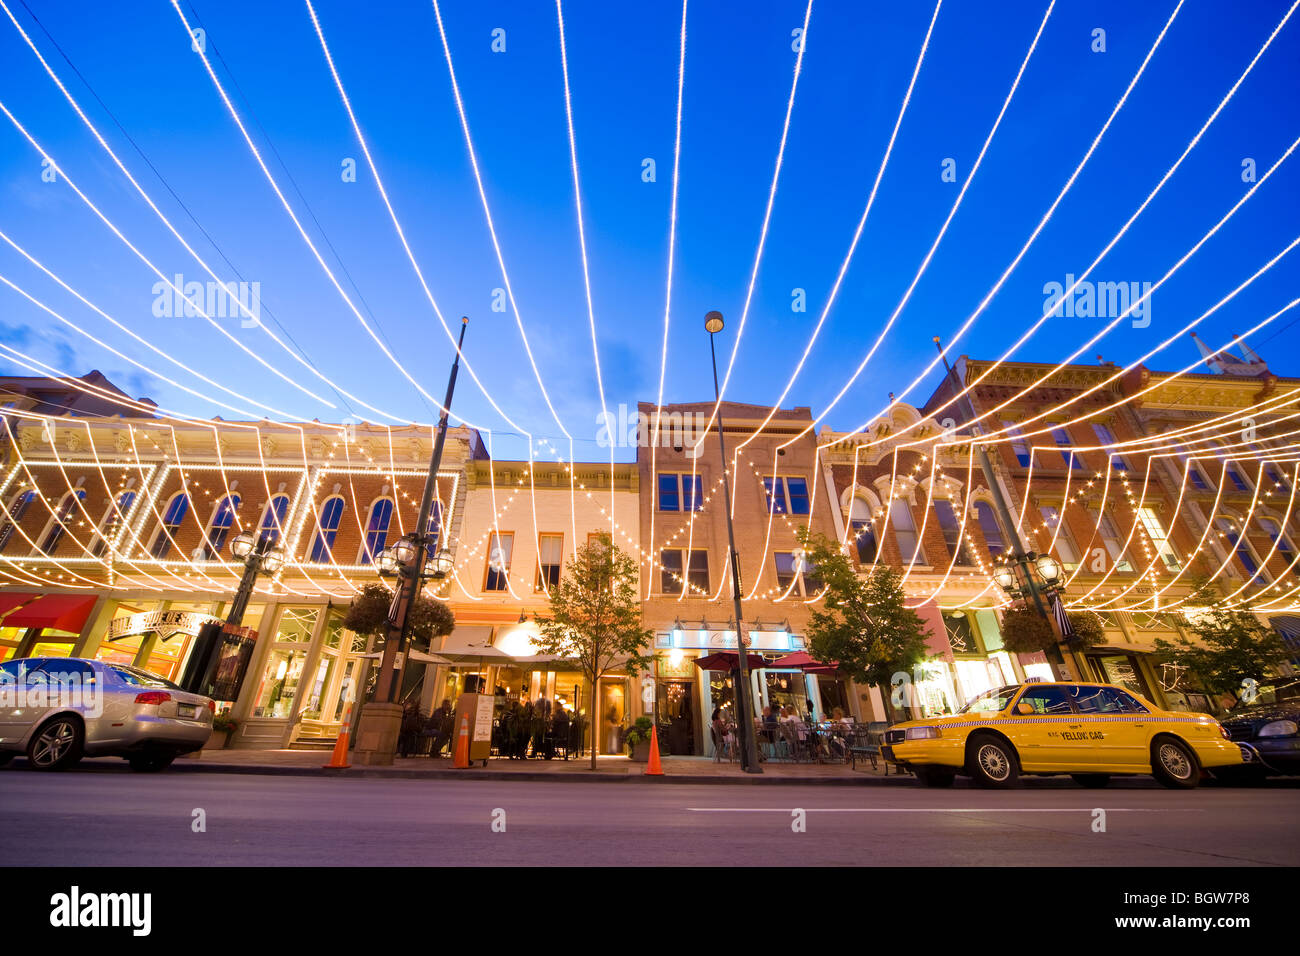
(1241, 547)
(951, 528)
(1159, 538)
(550, 560)
(787, 496)
(498, 561)
(1279, 483)
(988, 522)
(1110, 537)
(696, 574)
(222, 518)
(909, 542)
(273, 518)
(1280, 541)
(787, 569)
(177, 509)
(1195, 475)
(59, 526)
(1107, 437)
(18, 506)
(1062, 439)
(1065, 548)
(112, 520)
(960, 635)
(679, 492)
(863, 531)
(1018, 443)
(327, 529)
(381, 515)
(433, 530)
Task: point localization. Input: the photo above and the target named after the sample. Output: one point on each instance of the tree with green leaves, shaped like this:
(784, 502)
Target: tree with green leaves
(1232, 646)
(862, 623)
(595, 618)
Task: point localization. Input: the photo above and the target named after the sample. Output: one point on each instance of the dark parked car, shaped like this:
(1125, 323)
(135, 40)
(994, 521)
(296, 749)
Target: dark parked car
(1268, 732)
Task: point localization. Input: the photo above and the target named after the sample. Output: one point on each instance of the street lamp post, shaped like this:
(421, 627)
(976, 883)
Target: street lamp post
(744, 723)
(1031, 588)
(1039, 581)
(381, 718)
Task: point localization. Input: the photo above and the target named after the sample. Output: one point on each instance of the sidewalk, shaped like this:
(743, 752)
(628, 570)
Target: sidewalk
(611, 769)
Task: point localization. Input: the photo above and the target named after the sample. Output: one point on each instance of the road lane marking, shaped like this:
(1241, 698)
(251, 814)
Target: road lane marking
(941, 810)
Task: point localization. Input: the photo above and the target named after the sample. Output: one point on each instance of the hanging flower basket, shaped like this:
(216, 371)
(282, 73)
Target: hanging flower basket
(1089, 630)
(1025, 631)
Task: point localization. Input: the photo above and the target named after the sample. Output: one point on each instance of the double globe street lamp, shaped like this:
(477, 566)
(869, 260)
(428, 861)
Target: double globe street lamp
(1039, 581)
(259, 553)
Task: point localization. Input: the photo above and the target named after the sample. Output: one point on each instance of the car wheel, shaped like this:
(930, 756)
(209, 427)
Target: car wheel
(150, 763)
(935, 776)
(1092, 781)
(56, 744)
(991, 762)
(1173, 764)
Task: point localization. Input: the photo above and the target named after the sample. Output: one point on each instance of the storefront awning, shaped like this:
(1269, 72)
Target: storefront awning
(55, 612)
(10, 601)
(418, 657)
(470, 642)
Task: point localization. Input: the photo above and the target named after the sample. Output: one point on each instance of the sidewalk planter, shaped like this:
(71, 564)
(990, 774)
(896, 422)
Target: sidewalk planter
(218, 740)
(641, 752)
(637, 740)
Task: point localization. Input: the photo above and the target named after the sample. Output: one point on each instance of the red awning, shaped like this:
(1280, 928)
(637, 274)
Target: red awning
(10, 601)
(55, 612)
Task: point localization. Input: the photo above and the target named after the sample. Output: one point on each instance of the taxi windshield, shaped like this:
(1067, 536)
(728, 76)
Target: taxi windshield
(991, 701)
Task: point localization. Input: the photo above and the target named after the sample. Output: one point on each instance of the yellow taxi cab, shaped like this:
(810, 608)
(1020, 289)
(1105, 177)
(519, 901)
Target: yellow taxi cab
(1090, 731)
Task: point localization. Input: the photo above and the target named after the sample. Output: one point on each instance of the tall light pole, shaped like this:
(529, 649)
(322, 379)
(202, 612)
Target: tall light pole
(412, 551)
(1031, 588)
(744, 710)
(380, 724)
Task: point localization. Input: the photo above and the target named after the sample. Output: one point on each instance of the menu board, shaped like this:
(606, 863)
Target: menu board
(483, 719)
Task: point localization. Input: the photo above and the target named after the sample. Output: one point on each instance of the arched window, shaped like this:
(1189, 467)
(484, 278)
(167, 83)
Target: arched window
(331, 514)
(18, 506)
(175, 513)
(989, 525)
(57, 527)
(1241, 547)
(112, 520)
(909, 542)
(219, 528)
(862, 533)
(277, 509)
(434, 528)
(1284, 548)
(381, 513)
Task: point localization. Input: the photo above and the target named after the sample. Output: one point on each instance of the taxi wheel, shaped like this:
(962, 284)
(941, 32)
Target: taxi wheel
(991, 762)
(935, 776)
(1173, 764)
(1093, 781)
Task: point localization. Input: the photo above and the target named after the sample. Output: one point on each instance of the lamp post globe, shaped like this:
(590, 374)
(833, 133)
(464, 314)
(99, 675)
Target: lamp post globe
(1048, 568)
(404, 550)
(1006, 578)
(242, 544)
(713, 321)
(442, 563)
(273, 560)
(386, 561)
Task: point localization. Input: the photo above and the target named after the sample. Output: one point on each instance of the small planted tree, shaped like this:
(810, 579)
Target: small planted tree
(1232, 646)
(863, 624)
(595, 618)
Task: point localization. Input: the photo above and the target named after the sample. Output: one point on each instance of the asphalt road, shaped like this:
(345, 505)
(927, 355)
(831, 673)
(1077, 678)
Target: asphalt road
(86, 819)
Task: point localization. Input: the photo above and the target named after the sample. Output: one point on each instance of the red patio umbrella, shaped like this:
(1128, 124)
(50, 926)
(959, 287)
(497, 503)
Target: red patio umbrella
(728, 661)
(804, 662)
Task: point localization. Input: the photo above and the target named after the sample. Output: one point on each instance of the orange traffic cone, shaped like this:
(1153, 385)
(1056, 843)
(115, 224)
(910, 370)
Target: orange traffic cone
(340, 759)
(652, 768)
(460, 759)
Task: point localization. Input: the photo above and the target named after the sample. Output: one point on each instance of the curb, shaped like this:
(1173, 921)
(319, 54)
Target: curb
(380, 773)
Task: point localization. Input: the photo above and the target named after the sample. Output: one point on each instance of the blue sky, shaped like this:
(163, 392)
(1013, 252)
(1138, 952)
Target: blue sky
(623, 61)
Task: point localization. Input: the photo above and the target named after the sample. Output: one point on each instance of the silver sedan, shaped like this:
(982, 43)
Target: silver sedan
(57, 710)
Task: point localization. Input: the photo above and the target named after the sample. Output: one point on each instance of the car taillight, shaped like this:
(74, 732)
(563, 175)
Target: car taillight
(153, 697)
(1224, 730)
(212, 706)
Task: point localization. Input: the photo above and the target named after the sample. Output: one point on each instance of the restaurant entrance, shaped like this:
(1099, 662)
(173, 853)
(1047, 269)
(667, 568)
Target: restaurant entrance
(676, 714)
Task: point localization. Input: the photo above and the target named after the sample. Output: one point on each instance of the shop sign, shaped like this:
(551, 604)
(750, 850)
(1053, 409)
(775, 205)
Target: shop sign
(165, 623)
